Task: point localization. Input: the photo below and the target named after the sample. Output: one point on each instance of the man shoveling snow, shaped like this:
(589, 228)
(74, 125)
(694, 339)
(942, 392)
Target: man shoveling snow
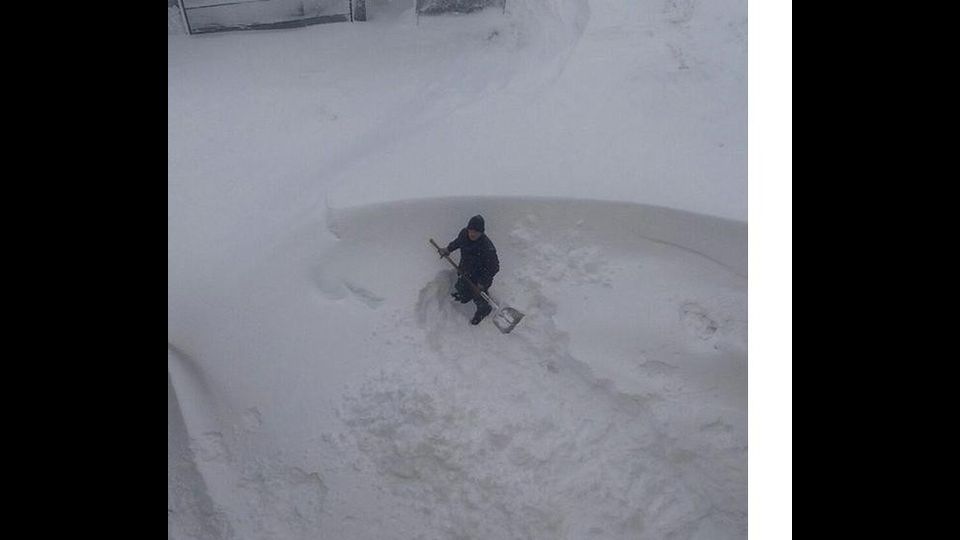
(478, 263)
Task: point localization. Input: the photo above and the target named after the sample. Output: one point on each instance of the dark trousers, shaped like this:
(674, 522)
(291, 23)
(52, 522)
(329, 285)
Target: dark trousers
(466, 291)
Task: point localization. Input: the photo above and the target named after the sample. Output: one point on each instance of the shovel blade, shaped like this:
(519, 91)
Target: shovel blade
(507, 319)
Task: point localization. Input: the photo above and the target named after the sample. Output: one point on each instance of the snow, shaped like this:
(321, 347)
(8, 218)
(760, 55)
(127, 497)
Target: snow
(321, 384)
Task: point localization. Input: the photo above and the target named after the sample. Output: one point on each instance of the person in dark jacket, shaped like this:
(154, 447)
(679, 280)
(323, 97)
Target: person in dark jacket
(478, 263)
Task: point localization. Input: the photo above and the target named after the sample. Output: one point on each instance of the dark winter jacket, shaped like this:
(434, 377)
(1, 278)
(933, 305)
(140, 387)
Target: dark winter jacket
(478, 260)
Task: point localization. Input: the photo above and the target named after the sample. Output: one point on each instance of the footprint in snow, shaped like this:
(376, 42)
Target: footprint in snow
(695, 319)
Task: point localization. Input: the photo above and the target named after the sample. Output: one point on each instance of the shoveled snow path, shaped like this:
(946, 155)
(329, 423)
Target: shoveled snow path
(540, 434)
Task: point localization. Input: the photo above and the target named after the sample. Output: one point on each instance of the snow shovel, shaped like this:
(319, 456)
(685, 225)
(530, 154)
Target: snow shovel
(505, 318)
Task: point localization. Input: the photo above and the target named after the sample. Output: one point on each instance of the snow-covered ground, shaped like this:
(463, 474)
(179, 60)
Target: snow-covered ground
(322, 385)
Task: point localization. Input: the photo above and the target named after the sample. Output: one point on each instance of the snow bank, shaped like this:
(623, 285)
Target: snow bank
(618, 101)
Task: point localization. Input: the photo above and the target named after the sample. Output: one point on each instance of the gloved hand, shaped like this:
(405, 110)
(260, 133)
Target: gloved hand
(444, 252)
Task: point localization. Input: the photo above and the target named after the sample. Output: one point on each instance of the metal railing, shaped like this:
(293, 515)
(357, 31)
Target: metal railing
(356, 12)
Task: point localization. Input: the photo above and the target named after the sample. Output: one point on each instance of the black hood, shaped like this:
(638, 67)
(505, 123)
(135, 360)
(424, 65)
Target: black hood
(476, 223)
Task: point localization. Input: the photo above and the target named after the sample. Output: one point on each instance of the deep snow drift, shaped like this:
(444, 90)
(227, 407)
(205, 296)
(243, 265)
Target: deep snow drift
(321, 384)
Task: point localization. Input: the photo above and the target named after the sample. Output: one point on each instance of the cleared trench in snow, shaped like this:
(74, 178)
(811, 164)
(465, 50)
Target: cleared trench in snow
(616, 409)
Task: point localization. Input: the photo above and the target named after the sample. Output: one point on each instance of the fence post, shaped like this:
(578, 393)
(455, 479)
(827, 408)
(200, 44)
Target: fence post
(183, 12)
